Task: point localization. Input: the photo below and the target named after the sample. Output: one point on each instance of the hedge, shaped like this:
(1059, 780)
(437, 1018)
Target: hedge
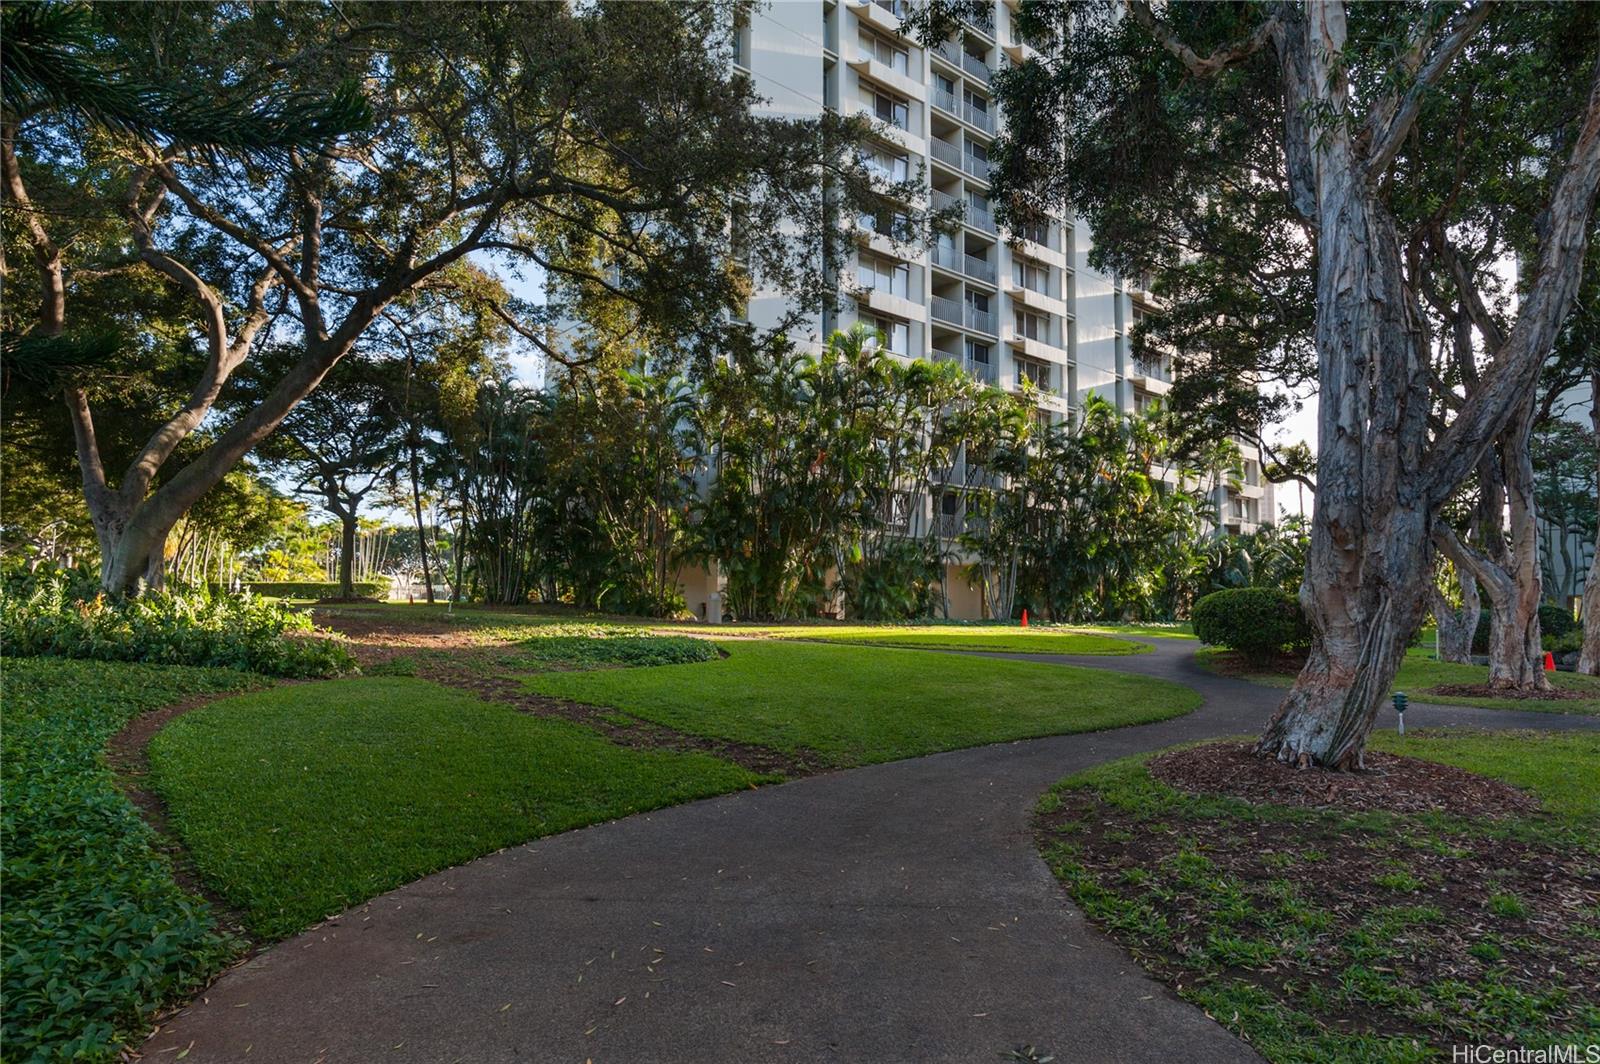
(318, 589)
(1258, 622)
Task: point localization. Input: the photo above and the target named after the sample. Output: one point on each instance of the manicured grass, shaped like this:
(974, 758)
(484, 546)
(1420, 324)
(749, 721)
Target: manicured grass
(97, 933)
(1320, 935)
(1175, 630)
(299, 802)
(1005, 640)
(1562, 768)
(857, 705)
(1419, 673)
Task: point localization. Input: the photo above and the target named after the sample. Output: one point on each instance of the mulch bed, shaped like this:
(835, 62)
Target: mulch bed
(1338, 866)
(1390, 783)
(1483, 690)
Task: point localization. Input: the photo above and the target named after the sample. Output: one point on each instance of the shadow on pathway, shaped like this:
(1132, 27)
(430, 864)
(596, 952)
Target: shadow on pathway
(897, 912)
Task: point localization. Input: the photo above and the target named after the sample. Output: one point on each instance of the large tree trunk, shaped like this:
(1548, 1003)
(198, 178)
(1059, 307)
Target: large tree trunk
(1457, 625)
(1589, 657)
(1380, 485)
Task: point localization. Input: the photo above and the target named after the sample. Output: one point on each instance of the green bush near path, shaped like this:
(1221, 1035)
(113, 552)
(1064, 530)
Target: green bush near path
(298, 802)
(97, 934)
(858, 705)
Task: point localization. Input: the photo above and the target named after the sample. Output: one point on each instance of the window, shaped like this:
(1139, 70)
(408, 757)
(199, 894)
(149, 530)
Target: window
(888, 108)
(944, 85)
(977, 354)
(977, 151)
(896, 8)
(885, 222)
(1038, 233)
(885, 52)
(1036, 372)
(884, 275)
(896, 334)
(1027, 275)
(977, 103)
(885, 164)
(978, 301)
(1031, 326)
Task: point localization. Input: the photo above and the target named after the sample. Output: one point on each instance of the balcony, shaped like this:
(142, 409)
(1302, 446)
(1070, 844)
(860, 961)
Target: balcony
(946, 101)
(979, 268)
(975, 67)
(982, 23)
(982, 119)
(946, 310)
(978, 168)
(979, 218)
(981, 320)
(980, 371)
(945, 152)
(947, 257)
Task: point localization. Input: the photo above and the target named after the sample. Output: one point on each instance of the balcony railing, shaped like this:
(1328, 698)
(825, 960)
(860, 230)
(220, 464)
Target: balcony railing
(897, 8)
(979, 218)
(946, 100)
(975, 66)
(980, 118)
(983, 23)
(945, 152)
(981, 320)
(981, 268)
(978, 168)
(946, 310)
(947, 256)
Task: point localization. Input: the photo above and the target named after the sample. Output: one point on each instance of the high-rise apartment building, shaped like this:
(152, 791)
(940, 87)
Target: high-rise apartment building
(1008, 307)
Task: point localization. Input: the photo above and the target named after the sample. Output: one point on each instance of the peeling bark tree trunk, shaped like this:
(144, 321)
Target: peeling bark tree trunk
(1381, 485)
(1457, 625)
(1589, 657)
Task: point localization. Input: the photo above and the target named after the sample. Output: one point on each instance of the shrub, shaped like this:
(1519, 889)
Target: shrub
(171, 628)
(318, 589)
(96, 932)
(1258, 622)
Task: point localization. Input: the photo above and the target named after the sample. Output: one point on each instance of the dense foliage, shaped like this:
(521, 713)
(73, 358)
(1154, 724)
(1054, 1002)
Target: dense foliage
(1258, 622)
(97, 934)
(47, 615)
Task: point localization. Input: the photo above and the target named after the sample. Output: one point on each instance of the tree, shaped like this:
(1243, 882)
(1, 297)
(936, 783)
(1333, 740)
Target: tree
(1351, 121)
(607, 145)
(338, 444)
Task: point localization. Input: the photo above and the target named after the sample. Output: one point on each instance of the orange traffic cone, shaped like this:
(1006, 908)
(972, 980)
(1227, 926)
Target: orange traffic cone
(1549, 662)
(1024, 618)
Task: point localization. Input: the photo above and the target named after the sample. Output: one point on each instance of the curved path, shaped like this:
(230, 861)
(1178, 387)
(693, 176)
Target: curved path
(897, 912)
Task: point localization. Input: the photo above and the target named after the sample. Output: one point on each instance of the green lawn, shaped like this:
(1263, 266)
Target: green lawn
(858, 705)
(1326, 936)
(298, 802)
(1005, 640)
(1419, 673)
(97, 933)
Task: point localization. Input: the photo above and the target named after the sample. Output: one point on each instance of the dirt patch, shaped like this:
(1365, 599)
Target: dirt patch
(376, 640)
(1390, 783)
(128, 756)
(625, 730)
(1232, 663)
(1483, 690)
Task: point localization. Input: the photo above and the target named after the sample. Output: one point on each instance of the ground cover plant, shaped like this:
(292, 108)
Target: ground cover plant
(52, 616)
(1426, 680)
(298, 802)
(97, 933)
(857, 705)
(1374, 918)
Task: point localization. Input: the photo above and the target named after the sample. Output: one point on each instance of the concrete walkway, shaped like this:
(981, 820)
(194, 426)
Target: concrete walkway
(892, 913)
